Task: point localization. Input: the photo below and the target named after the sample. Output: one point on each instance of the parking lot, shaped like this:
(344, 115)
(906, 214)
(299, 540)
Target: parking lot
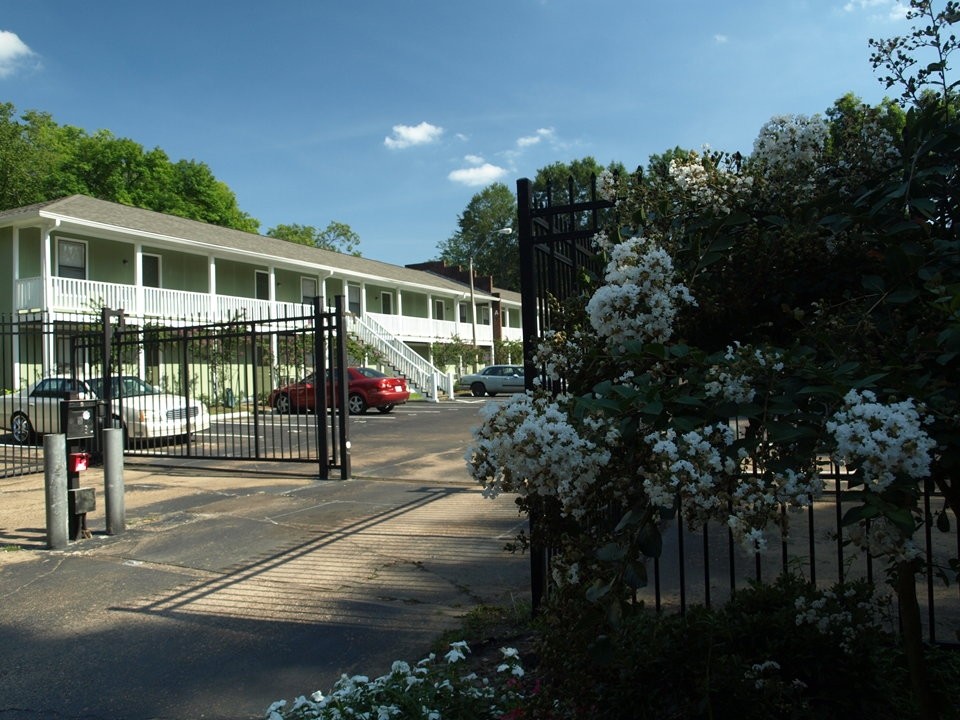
(239, 585)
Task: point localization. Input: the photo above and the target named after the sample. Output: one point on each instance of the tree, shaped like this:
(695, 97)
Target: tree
(479, 237)
(41, 160)
(811, 289)
(25, 164)
(559, 176)
(337, 236)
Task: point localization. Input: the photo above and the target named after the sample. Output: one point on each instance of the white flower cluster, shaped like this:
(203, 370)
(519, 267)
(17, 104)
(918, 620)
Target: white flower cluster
(707, 186)
(883, 440)
(559, 356)
(639, 298)
(880, 538)
(689, 466)
(528, 445)
(758, 670)
(712, 483)
(789, 148)
(440, 689)
(842, 614)
(734, 381)
(607, 185)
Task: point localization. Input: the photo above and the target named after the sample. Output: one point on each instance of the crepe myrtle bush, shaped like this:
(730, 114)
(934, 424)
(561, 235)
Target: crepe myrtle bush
(432, 689)
(827, 323)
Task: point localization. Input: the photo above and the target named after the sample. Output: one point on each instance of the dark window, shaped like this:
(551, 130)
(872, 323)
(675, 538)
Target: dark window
(263, 286)
(72, 259)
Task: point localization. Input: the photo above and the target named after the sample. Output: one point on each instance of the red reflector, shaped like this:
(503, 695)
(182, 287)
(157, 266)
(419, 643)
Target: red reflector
(78, 461)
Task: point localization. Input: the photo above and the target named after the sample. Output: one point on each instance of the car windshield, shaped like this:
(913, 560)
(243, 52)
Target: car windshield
(371, 373)
(126, 386)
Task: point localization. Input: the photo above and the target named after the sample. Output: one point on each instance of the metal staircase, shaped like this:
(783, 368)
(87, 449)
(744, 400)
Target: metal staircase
(421, 375)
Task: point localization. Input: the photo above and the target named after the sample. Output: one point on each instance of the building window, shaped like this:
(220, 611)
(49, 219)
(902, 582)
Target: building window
(262, 285)
(386, 303)
(308, 290)
(438, 310)
(464, 313)
(150, 269)
(353, 299)
(483, 314)
(72, 259)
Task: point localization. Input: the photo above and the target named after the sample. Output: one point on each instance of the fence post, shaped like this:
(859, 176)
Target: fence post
(55, 489)
(113, 491)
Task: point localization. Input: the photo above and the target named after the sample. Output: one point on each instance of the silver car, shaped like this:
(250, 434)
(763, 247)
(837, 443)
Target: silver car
(494, 379)
(144, 411)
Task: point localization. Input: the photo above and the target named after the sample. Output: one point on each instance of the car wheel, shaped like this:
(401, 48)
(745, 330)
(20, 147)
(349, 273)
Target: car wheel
(386, 408)
(21, 429)
(491, 393)
(281, 404)
(356, 404)
(478, 389)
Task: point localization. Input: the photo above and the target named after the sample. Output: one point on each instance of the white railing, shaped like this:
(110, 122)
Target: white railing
(418, 371)
(427, 330)
(85, 296)
(88, 296)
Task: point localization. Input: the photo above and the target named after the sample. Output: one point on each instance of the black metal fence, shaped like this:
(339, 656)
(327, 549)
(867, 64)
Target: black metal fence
(180, 389)
(707, 566)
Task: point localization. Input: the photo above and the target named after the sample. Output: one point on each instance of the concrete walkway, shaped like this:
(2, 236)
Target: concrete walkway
(230, 590)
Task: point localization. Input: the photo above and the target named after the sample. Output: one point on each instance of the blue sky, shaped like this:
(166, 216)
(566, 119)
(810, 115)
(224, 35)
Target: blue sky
(389, 116)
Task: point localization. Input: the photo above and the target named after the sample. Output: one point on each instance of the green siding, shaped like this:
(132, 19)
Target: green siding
(415, 305)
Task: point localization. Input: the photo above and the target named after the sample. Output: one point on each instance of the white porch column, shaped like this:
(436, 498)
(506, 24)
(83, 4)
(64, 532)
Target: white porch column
(15, 344)
(49, 362)
(141, 309)
(212, 287)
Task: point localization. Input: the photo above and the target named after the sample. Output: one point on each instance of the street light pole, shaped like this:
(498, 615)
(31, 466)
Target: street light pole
(473, 308)
(473, 302)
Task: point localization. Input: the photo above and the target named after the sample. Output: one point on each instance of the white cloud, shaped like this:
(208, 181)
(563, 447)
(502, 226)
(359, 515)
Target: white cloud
(540, 134)
(405, 136)
(896, 9)
(474, 159)
(12, 52)
(478, 175)
(720, 39)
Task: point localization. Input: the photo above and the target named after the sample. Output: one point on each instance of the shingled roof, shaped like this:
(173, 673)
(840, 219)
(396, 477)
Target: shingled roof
(83, 210)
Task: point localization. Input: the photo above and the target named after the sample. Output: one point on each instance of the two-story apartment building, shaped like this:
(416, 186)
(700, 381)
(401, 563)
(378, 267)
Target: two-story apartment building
(78, 254)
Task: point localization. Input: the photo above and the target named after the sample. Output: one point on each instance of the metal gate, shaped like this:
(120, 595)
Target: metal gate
(556, 256)
(210, 390)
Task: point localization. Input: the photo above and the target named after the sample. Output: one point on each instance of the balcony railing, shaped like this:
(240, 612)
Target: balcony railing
(88, 296)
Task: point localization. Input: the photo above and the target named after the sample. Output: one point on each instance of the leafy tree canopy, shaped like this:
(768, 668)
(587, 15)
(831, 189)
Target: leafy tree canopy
(479, 237)
(41, 160)
(337, 236)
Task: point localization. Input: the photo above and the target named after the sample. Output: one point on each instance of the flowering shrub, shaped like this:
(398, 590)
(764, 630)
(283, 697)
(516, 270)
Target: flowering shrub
(638, 300)
(430, 690)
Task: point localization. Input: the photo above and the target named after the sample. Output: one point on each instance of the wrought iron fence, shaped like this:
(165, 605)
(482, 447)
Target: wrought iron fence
(182, 388)
(706, 566)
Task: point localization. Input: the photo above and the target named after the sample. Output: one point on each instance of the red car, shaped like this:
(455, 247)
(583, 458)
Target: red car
(366, 388)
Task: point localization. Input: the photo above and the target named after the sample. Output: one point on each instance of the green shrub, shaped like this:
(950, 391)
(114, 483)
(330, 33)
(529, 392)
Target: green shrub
(783, 650)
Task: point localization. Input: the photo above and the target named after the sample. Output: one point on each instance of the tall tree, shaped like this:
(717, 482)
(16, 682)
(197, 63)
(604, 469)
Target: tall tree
(481, 236)
(337, 236)
(41, 160)
(559, 176)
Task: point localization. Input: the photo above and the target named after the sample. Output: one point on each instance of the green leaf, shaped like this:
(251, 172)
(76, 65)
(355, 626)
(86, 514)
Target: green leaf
(650, 541)
(901, 297)
(873, 282)
(635, 576)
(597, 591)
(858, 513)
(611, 552)
(903, 519)
(943, 522)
